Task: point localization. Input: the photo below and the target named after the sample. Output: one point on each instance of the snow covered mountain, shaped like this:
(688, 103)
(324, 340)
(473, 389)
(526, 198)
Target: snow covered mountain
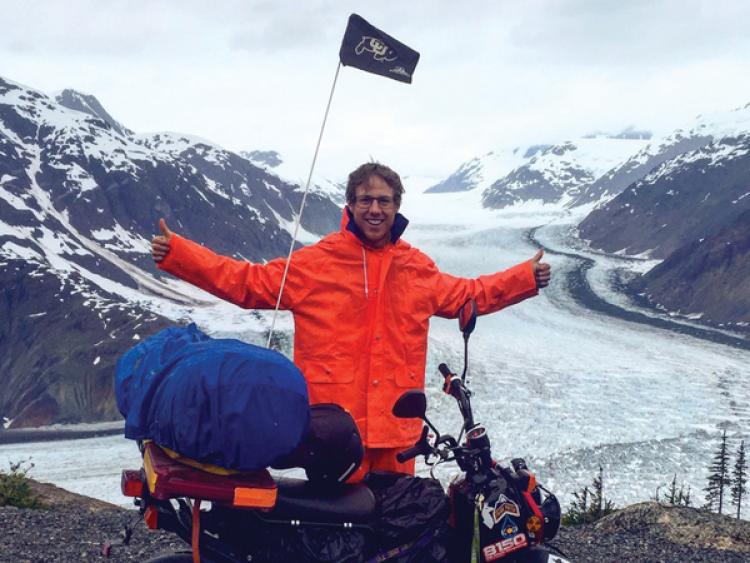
(272, 162)
(87, 103)
(481, 172)
(704, 130)
(691, 210)
(80, 197)
(686, 198)
(559, 173)
(548, 173)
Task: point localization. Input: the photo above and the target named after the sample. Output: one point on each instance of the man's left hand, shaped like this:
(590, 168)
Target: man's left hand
(542, 270)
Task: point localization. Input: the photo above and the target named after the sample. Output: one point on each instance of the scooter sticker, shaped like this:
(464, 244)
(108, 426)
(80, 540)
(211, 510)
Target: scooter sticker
(508, 527)
(491, 515)
(504, 547)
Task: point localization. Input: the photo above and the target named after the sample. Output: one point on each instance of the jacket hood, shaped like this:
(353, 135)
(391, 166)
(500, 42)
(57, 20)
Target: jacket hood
(348, 224)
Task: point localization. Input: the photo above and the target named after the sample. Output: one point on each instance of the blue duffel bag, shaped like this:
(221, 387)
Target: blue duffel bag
(217, 401)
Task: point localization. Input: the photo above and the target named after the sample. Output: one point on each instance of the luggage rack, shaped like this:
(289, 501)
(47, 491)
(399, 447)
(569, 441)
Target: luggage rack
(169, 478)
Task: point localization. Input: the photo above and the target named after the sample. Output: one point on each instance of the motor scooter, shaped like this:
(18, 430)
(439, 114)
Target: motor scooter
(496, 513)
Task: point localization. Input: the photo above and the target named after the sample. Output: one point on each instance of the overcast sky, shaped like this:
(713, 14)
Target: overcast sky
(256, 75)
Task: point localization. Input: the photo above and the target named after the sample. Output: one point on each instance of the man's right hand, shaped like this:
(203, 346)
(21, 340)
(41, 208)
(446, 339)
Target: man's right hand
(160, 243)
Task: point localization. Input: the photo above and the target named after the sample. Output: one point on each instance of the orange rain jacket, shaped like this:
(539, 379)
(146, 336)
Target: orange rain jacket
(361, 315)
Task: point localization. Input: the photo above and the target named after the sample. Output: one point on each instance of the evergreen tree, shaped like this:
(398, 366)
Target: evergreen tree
(589, 504)
(675, 496)
(600, 506)
(672, 494)
(718, 479)
(739, 484)
(683, 497)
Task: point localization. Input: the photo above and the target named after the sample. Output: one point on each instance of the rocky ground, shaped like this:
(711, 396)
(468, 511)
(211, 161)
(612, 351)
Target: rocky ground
(649, 532)
(78, 528)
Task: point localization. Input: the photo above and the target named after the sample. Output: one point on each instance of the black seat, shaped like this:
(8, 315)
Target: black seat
(299, 499)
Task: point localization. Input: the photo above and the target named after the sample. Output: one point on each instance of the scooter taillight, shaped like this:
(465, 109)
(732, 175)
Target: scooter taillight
(254, 498)
(131, 483)
(151, 517)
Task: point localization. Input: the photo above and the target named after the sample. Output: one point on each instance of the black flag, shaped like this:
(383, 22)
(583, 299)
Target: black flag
(367, 48)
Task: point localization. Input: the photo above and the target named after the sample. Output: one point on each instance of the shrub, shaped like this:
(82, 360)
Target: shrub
(589, 504)
(15, 489)
(674, 496)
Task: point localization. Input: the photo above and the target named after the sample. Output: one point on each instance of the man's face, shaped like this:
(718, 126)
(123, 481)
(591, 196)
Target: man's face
(374, 210)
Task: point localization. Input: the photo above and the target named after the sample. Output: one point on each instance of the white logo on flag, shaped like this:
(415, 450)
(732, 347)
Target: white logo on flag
(380, 51)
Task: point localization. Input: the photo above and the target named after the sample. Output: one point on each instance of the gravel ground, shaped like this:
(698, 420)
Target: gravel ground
(74, 533)
(77, 528)
(652, 533)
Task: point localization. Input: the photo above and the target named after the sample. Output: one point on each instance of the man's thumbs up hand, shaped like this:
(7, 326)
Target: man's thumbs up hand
(160, 243)
(542, 270)
(164, 229)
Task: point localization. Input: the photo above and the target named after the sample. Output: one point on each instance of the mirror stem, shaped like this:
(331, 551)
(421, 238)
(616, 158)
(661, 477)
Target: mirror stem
(432, 427)
(466, 357)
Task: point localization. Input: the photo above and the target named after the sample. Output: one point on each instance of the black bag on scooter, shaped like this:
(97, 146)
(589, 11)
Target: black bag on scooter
(409, 527)
(311, 544)
(413, 512)
(331, 450)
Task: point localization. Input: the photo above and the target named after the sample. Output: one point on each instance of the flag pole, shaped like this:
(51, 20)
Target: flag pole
(302, 207)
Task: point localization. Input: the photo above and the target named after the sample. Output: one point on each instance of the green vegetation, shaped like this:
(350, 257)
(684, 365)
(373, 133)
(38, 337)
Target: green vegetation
(739, 479)
(675, 496)
(589, 505)
(718, 478)
(15, 489)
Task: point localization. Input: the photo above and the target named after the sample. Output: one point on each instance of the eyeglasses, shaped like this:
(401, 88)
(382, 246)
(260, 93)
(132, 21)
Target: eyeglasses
(365, 201)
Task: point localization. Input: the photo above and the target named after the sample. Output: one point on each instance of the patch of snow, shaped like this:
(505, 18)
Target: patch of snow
(10, 249)
(303, 235)
(81, 178)
(121, 239)
(13, 200)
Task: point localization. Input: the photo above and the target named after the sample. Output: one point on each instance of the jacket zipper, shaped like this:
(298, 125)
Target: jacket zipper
(364, 267)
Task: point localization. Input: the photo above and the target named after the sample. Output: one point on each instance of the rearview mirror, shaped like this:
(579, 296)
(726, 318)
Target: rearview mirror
(412, 404)
(467, 317)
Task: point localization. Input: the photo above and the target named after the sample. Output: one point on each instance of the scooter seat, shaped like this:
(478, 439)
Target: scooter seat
(298, 499)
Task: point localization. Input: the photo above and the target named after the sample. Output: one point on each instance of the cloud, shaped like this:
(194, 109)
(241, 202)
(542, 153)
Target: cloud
(309, 25)
(637, 33)
(256, 74)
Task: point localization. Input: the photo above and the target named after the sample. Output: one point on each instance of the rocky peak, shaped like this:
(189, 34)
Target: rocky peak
(87, 103)
(265, 158)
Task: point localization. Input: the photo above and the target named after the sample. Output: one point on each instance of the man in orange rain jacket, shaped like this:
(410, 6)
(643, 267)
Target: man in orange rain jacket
(362, 299)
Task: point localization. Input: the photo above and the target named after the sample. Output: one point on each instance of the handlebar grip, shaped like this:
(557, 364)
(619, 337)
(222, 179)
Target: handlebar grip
(421, 447)
(406, 455)
(445, 370)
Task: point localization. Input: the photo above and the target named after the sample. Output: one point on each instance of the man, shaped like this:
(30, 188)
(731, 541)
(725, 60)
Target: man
(362, 299)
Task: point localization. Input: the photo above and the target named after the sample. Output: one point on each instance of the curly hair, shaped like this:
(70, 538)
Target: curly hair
(363, 173)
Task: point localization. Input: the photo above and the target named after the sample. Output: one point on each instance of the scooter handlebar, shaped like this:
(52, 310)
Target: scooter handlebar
(454, 387)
